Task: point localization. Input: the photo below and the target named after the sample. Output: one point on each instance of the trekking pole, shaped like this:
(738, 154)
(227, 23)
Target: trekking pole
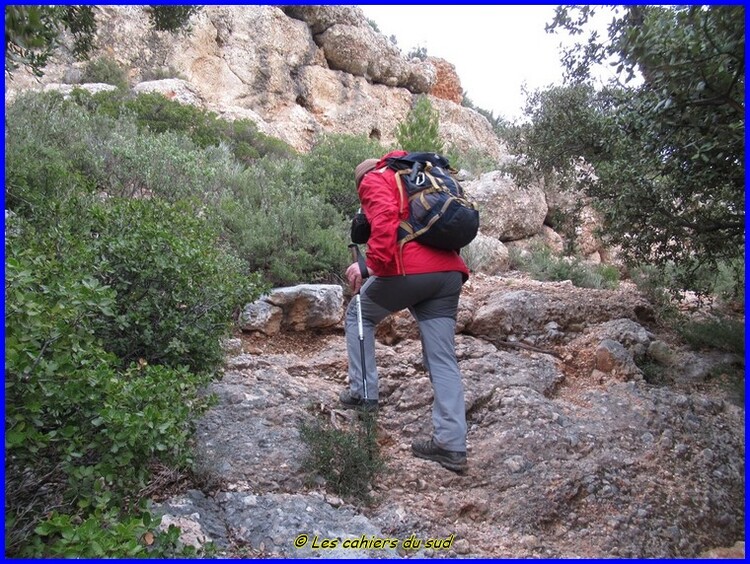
(356, 256)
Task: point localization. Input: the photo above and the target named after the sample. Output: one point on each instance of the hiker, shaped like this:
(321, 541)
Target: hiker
(428, 282)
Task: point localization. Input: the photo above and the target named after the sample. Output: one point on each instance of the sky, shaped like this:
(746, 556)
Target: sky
(496, 49)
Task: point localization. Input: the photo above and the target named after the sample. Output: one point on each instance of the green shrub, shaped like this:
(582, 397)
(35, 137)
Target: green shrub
(107, 534)
(279, 228)
(660, 284)
(541, 264)
(40, 171)
(175, 288)
(720, 333)
(81, 151)
(80, 433)
(158, 114)
(98, 287)
(106, 70)
(348, 459)
(172, 18)
(329, 169)
(475, 161)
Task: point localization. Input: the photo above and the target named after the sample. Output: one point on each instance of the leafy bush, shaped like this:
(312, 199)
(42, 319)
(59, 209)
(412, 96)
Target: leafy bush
(329, 168)
(280, 229)
(475, 161)
(175, 288)
(268, 212)
(101, 286)
(658, 283)
(78, 150)
(40, 172)
(106, 70)
(79, 435)
(171, 18)
(106, 534)
(543, 265)
(158, 114)
(720, 333)
(348, 459)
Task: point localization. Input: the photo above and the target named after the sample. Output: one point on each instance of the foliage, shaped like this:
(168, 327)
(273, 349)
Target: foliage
(82, 425)
(97, 153)
(81, 23)
(270, 214)
(665, 158)
(722, 333)
(475, 161)
(32, 33)
(329, 169)
(105, 534)
(348, 459)
(31, 36)
(543, 265)
(39, 171)
(175, 288)
(275, 223)
(420, 131)
(171, 18)
(158, 114)
(93, 283)
(105, 70)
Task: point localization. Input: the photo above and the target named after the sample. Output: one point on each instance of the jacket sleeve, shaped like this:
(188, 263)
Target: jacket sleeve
(380, 204)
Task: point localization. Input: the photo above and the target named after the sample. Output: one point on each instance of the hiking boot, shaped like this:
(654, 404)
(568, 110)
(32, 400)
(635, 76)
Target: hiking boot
(451, 459)
(350, 402)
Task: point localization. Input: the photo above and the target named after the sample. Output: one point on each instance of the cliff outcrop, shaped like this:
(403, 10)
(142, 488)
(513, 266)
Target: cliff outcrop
(297, 71)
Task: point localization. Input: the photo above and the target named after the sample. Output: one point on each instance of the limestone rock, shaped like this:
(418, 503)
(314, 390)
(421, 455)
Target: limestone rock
(487, 255)
(297, 72)
(172, 89)
(309, 306)
(447, 83)
(508, 211)
(261, 316)
(547, 238)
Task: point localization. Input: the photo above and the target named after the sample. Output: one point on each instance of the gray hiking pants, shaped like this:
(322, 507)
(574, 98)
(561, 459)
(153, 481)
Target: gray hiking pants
(433, 301)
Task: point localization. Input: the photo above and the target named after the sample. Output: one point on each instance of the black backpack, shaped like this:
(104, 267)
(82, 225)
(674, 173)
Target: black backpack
(439, 213)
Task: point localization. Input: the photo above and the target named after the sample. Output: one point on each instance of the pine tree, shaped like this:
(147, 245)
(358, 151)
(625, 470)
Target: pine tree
(420, 130)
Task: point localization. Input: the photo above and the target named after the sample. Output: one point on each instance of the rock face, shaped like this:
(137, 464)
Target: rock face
(447, 83)
(296, 71)
(571, 454)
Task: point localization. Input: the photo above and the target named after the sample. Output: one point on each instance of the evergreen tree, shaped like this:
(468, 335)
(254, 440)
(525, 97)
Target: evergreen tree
(420, 130)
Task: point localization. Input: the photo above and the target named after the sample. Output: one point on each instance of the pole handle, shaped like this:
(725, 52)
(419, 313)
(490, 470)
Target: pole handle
(359, 259)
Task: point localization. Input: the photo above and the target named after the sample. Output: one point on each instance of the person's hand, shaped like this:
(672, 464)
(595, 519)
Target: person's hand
(354, 276)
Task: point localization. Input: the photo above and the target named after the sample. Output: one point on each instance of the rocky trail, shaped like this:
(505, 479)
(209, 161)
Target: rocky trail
(572, 454)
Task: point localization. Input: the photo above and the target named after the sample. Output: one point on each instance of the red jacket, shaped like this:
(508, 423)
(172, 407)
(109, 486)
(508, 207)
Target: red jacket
(385, 209)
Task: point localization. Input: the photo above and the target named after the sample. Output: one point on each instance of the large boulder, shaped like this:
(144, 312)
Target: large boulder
(509, 211)
(296, 308)
(487, 255)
